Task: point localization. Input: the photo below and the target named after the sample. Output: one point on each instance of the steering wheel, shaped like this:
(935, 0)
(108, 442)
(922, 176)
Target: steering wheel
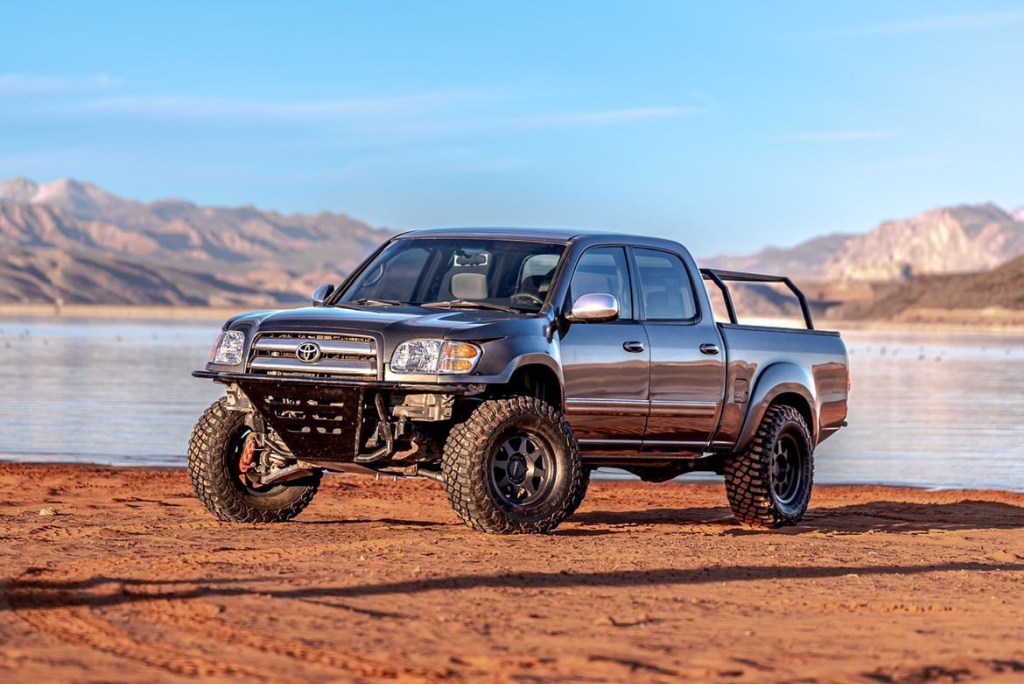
(527, 297)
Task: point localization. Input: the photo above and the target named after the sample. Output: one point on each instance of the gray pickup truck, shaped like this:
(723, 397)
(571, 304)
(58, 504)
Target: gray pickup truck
(507, 364)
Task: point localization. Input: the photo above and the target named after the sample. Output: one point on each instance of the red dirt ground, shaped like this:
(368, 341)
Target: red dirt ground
(133, 581)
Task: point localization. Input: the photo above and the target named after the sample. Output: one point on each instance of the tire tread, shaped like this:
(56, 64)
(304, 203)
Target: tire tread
(467, 486)
(211, 480)
(748, 475)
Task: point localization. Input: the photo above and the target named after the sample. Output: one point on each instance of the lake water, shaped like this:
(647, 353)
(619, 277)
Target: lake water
(928, 409)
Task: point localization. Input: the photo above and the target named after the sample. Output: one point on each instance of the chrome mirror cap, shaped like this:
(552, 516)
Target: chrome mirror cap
(594, 308)
(321, 293)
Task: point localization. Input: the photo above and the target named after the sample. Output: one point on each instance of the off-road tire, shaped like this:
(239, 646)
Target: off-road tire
(467, 482)
(748, 476)
(220, 491)
(580, 494)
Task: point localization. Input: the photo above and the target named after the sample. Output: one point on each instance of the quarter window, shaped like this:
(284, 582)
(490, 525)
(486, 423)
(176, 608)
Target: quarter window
(665, 286)
(603, 270)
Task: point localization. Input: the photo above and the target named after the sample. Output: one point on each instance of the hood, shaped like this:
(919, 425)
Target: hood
(399, 321)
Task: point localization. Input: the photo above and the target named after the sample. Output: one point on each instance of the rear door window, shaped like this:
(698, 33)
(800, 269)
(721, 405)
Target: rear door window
(664, 286)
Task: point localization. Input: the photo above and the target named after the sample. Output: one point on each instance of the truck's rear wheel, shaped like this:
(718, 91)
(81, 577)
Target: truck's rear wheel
(513, 467)
(214, 456)
(770, 484)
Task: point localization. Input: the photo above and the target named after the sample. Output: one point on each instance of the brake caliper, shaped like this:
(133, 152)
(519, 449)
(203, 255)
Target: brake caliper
(247, 462)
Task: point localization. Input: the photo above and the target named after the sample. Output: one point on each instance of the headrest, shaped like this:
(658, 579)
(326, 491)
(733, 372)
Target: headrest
(469, 286)
(538, 284)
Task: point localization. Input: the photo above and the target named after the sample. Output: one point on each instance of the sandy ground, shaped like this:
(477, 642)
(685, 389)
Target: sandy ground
(132, 581)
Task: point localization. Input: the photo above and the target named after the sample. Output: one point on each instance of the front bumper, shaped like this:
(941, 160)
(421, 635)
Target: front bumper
(466, 389)
(324, 421)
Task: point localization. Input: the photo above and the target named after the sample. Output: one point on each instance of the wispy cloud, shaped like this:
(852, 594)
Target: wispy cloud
(28, 84)
(950, 22)
(838, 136)
(407, 106)
(901, 164)
(394, 120)
(187, 107)
(607, 116)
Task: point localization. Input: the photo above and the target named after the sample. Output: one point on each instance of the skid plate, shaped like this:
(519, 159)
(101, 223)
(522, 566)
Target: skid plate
(321, 425)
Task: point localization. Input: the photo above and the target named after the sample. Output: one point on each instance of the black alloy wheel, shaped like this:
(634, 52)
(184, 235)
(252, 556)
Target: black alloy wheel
(787, 470)
(522, 469)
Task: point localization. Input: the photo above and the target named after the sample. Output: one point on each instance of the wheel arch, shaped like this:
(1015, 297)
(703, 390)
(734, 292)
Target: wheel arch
(780, 384)
(537, 379)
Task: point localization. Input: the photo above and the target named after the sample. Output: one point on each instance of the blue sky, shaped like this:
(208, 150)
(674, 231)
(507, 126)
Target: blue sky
(727, 126)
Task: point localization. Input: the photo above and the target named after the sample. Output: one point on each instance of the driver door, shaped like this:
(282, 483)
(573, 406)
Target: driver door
(606, 366)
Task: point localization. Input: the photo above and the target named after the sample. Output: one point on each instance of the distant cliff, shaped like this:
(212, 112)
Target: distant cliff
(955, 239)
(76, 241)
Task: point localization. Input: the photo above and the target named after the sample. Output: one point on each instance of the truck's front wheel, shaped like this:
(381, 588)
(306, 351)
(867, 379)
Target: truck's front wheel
(770, 484)
(215, 453)
(513, 467)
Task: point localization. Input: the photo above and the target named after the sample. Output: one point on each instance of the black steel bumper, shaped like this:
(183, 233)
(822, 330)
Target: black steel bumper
(228, 378)
(324, 421)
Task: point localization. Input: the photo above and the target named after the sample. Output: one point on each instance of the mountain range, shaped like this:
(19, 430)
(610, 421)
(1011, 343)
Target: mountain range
(75, 241)
(958, 239)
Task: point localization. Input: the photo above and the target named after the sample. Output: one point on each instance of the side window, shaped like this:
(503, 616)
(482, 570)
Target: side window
(603, 270)
(664, 286)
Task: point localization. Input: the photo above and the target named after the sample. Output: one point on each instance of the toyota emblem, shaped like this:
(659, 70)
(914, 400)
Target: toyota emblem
(308, 352)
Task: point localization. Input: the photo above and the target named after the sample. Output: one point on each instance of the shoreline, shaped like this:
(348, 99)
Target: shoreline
(116, 311)
(953, 321)
(702, 479)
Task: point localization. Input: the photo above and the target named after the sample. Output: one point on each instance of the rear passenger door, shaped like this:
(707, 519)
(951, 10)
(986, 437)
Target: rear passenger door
(687, 355)
(606, 365)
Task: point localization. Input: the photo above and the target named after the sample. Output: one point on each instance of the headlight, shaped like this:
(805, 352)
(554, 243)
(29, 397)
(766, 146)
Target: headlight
(228, 348)
(435, 356)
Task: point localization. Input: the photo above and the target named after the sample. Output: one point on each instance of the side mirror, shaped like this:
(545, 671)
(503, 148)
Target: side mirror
(594, 308)
(321, 293)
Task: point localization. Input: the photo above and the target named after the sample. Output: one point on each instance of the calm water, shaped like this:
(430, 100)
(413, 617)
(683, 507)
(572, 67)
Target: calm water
(928, 409)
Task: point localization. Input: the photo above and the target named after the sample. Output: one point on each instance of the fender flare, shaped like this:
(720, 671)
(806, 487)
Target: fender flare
(543, 359)
(773, 381)
(533, 359)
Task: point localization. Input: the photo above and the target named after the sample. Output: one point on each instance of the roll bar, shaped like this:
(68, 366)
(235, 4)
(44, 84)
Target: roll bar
(719, 278)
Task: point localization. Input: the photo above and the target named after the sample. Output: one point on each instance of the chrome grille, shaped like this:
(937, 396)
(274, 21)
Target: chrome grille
(338, 356)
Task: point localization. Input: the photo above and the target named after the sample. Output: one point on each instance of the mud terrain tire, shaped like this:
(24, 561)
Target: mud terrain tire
(770, 484)
(217, 483)
(513, 467)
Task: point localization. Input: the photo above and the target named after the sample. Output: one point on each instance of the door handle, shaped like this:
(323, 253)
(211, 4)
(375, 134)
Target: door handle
(634, 346)
(709, 348)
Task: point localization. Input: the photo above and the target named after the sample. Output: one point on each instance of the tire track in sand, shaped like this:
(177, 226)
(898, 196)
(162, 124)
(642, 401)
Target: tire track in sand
(68, 618)
(194, 616)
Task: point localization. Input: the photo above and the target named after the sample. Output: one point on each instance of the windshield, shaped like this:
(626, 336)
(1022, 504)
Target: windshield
(458, 273)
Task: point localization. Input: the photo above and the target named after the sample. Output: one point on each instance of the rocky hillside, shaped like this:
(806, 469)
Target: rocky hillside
(1002, 288)
(956, 239)
(273, 255)
(50, 275)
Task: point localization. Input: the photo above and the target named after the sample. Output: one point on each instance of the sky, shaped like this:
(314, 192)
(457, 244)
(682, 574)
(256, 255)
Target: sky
(725, 125)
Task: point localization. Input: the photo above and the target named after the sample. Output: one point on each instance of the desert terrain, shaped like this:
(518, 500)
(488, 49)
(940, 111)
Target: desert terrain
(120, 575)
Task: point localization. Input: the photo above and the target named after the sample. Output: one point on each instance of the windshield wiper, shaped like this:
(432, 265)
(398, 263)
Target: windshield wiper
(472, 304)
(374, 302)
